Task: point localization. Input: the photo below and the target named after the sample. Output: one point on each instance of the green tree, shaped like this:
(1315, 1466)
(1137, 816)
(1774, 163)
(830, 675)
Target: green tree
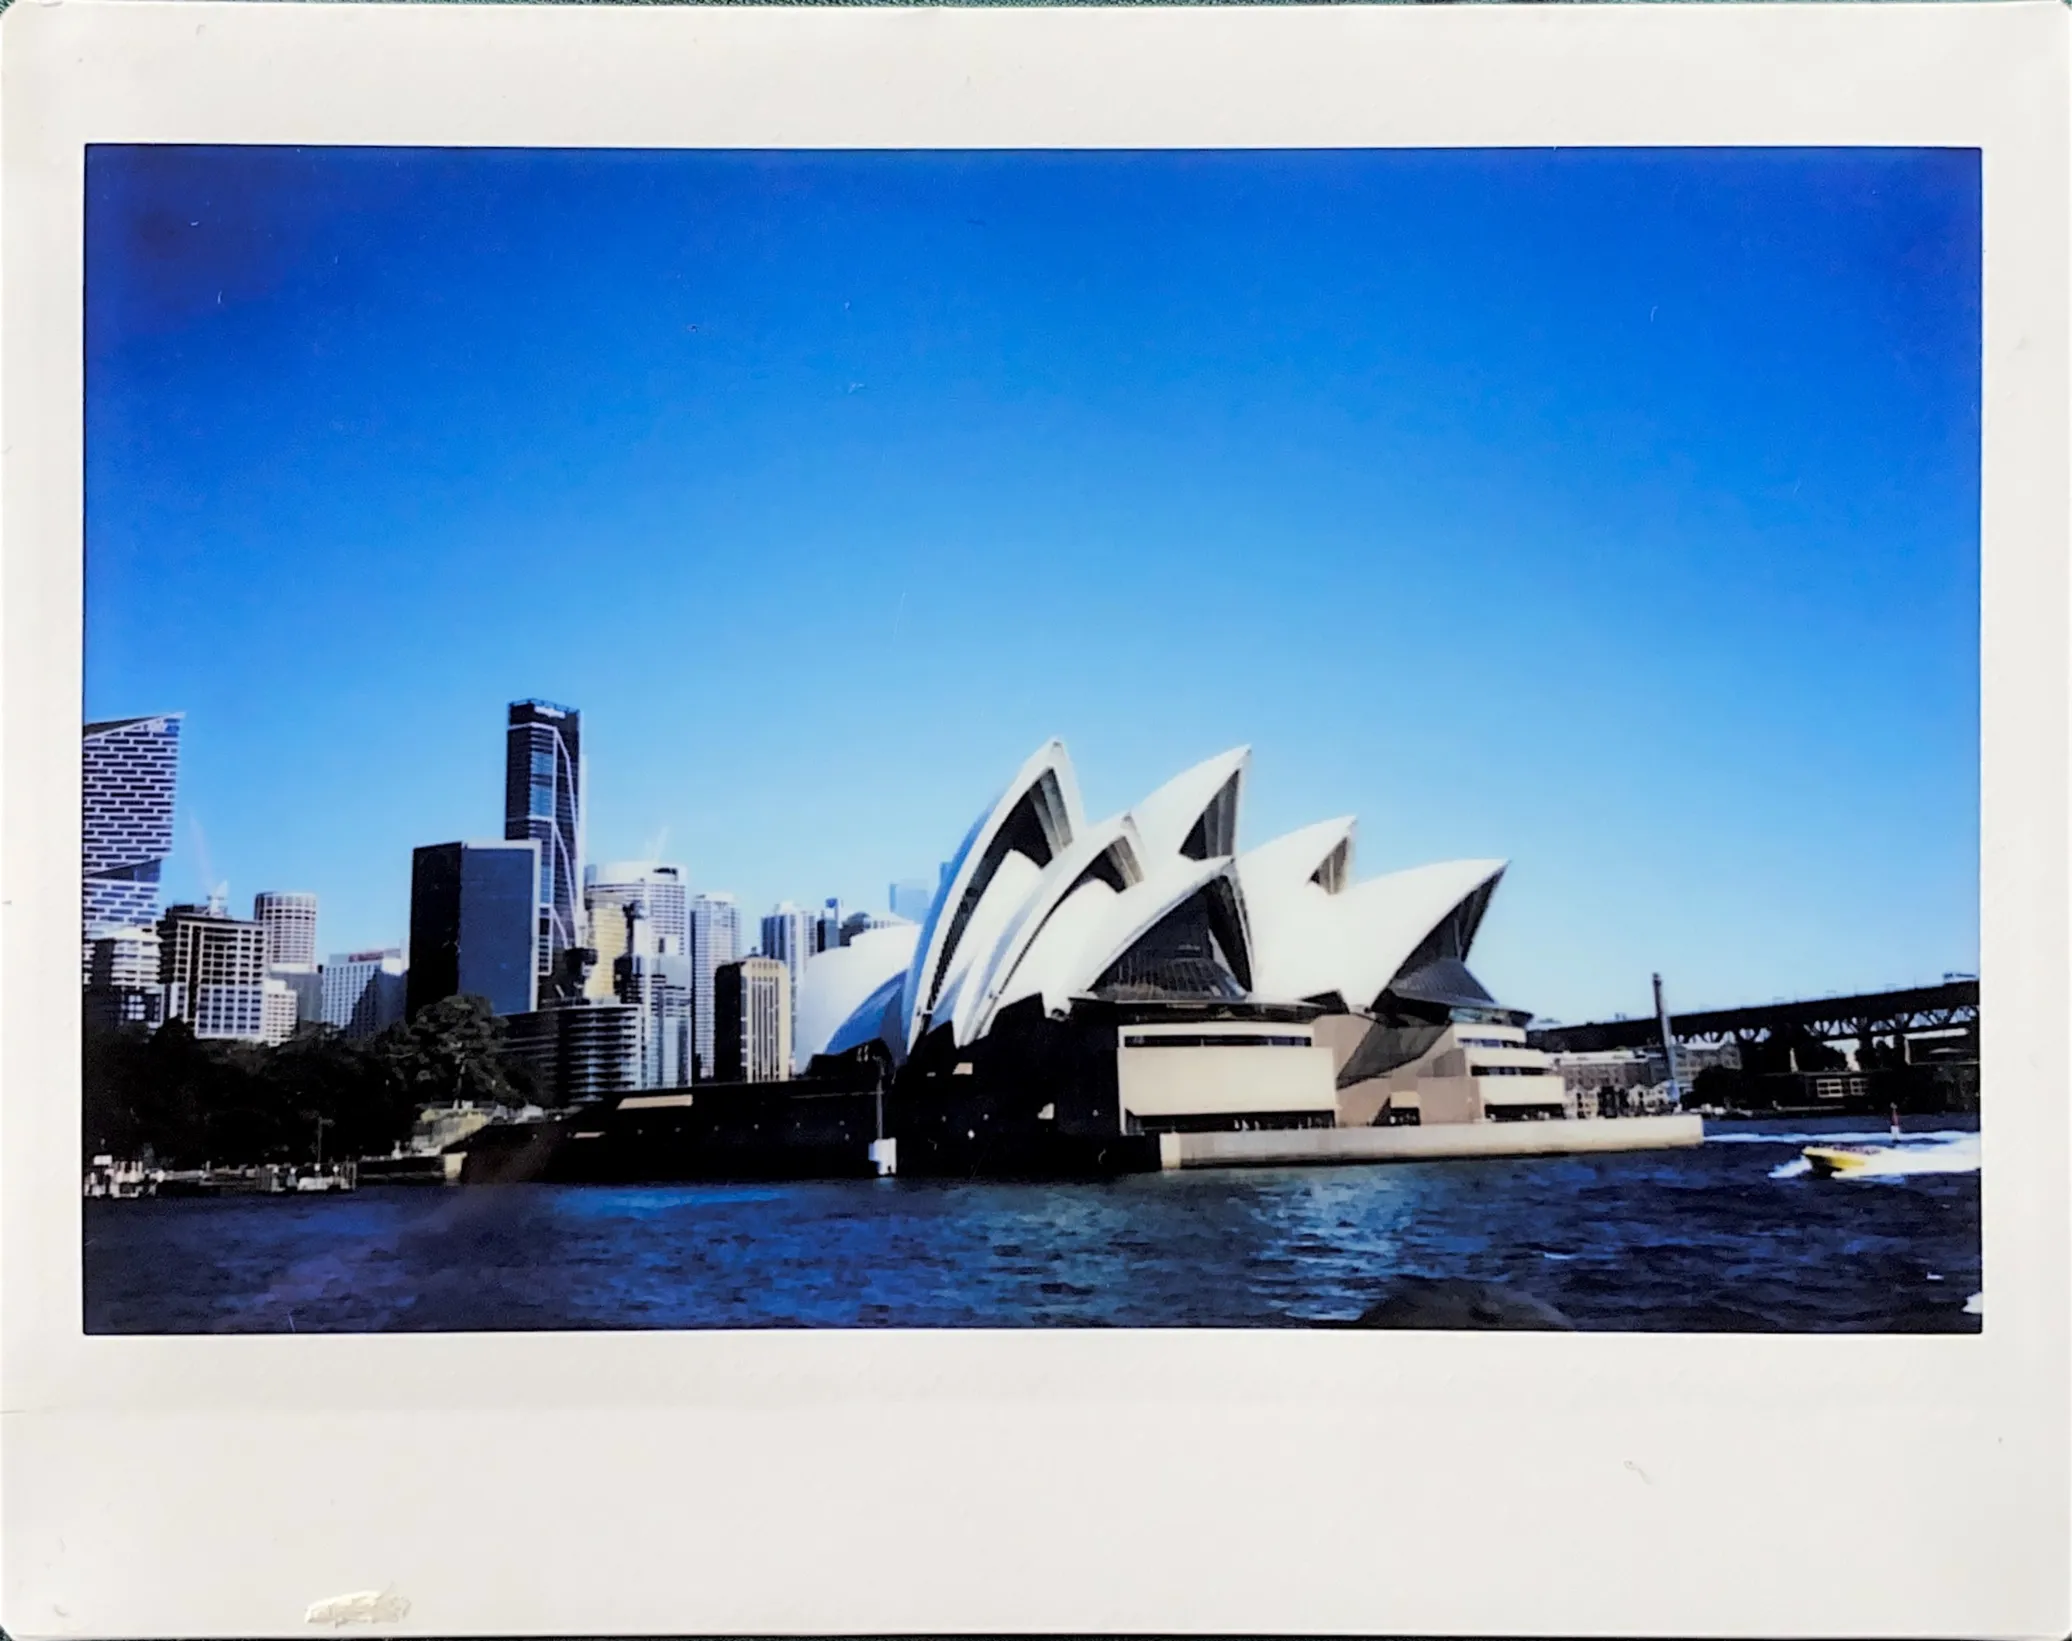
(320, 1080)
(451, 1051)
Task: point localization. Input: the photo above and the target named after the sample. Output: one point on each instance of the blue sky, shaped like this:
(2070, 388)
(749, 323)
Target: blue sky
(1613, 512)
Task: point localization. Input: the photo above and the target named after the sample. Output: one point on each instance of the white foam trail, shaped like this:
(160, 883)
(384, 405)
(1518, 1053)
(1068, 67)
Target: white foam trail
(1954, 1154)
(1875, 1136)
(1975, 1305)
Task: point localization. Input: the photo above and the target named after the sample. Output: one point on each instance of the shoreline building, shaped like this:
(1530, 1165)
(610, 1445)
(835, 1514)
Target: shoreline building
(791, 935)
(1080, 987)
(474, 924)
(543, 802)
(364, 993)
(715, 939)
(130, 769)
(753, 1025)
(608, 890)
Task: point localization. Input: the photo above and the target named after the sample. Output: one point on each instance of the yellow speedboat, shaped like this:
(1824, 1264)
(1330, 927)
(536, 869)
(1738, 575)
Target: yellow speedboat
(1830, 1160)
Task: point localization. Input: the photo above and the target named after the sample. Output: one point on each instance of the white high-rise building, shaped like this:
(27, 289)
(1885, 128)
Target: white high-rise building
(791, 936)
(290, 922)
(608, 889)
(715, 939)
(363, 992)
(214, 971)
(280, 1011)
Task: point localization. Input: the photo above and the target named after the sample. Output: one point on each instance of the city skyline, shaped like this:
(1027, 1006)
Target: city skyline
(1614, 515)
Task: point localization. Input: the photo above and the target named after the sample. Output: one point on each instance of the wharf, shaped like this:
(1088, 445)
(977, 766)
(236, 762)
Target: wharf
(1329, 1147)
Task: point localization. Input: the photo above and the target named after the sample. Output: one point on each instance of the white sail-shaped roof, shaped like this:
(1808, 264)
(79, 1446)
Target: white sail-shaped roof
(1196, 812)
(1384, 920)
(1102, 861)
(1292, 887)
(1137, 911)
(1038, 810)
(1036, 903)
(845, 990)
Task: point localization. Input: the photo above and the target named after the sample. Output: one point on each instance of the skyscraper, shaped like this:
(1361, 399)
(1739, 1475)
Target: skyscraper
(715, 939)
(473, 928)
(543, 801)
(213, 969)
(290, 921)
(910, 900)
(131, 767)
(609, 889)
(364, 992)
(791, 936)
(753, 1024)
(653, 976)
(827, 929)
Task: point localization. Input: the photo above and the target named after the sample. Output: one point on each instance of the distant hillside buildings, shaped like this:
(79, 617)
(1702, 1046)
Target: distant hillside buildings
(607, 976)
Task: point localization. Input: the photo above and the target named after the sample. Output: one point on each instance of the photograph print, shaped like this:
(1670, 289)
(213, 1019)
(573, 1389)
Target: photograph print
(1371, 738)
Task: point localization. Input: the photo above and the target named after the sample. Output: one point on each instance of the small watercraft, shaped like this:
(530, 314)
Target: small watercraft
(1826, 1161)
(1829, 1160)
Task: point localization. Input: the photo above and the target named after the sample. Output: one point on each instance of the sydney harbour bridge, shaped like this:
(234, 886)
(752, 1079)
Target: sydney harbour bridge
(1941, 1012)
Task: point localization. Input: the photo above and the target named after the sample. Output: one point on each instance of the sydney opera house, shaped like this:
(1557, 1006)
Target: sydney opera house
(1081, 987)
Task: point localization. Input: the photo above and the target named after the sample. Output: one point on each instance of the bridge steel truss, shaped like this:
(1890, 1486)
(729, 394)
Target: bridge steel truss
(1917, 1011)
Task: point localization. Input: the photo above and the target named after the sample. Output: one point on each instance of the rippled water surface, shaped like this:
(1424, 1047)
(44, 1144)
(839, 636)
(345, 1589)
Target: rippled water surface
(1727, 1236)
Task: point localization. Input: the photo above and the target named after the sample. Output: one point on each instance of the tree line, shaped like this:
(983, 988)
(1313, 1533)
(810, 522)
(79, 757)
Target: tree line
(185, 1101)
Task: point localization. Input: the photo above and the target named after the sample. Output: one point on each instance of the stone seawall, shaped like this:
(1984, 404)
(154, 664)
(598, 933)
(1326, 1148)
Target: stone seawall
(1323, 1147)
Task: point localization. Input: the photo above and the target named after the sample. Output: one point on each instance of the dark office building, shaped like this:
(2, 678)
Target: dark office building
(472, 924)
(543, 801)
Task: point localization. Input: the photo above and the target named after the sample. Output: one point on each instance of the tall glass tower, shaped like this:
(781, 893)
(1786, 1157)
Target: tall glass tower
(543, 800)
(131, 766)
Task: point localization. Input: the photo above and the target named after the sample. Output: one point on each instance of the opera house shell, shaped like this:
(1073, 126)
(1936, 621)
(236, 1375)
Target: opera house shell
(1080, 987)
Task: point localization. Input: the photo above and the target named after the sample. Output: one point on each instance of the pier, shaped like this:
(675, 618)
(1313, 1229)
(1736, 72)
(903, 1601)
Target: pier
(1322, 1147)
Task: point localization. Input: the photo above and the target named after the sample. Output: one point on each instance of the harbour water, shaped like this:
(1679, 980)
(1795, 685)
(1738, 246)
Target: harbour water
(1730, 1236)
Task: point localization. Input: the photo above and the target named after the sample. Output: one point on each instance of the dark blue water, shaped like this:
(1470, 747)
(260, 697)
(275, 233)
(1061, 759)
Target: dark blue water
(1699, 1239)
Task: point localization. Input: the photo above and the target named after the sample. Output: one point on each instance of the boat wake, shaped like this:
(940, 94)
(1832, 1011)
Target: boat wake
(1869, 1136)
(1915, 1154)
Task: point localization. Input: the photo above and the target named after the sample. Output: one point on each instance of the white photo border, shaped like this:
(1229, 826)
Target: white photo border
(1001, 1481)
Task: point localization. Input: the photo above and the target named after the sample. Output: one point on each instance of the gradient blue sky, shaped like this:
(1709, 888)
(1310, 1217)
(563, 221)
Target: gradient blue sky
(1612, 512)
